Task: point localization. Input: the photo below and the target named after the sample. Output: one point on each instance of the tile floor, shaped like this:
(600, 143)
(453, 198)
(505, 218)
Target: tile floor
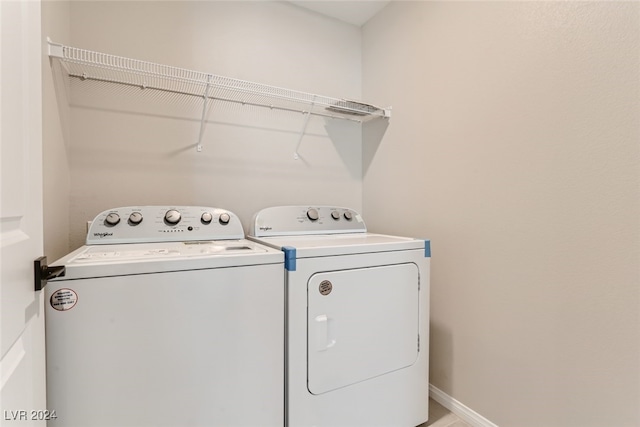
(439, 416)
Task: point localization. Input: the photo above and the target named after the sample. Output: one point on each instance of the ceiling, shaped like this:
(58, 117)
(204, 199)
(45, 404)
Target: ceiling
(352, 12)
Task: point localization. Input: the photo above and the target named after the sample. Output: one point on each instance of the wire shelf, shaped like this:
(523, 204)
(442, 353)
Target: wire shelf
(89, 65)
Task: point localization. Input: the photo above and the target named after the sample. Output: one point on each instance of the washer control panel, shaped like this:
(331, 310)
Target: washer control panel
(306, 220)
(147, 224)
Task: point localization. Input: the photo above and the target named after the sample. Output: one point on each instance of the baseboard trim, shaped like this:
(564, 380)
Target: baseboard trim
(467, 414)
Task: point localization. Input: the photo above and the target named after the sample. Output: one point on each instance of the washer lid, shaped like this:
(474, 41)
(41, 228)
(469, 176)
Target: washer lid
(140, 258)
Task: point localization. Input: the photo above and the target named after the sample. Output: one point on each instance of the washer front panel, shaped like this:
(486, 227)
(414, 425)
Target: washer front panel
(197, 348)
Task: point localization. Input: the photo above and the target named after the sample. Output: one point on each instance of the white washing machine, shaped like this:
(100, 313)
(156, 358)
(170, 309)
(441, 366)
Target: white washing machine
(167, 317)
(357, 319)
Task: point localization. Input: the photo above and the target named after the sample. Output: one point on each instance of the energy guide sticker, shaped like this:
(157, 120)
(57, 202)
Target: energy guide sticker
(64, 299)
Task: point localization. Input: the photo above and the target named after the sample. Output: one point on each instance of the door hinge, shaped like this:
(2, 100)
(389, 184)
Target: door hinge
(418, 342)
(42, 272)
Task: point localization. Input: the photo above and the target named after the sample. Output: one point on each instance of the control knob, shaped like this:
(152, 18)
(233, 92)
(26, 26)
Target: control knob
(335, 215)
(348, 216)
(112, 219)
(135, 218)
(172, 217)
(224, 219)
(206, 217)
(312, 214)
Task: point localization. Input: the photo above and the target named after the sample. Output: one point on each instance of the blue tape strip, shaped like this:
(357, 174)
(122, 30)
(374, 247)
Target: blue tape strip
(289, 258)
(427, 248)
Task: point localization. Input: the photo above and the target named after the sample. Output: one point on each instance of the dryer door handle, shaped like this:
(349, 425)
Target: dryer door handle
(324, 332)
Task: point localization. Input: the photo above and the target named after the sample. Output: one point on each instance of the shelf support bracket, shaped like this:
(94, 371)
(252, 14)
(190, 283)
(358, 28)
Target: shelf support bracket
(56, 50)
(204, 113)
(296, 155)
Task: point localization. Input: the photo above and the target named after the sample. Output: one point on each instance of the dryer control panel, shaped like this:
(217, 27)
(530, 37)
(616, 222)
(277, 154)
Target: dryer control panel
(148, 224)
(306, 220)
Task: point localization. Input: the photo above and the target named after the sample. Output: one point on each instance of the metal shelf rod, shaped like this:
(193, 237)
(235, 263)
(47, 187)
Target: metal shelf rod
(217, 98)
(139, 86)
(219, 86)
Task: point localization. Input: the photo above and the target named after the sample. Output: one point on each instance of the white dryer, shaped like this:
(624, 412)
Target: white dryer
(357, 319)
(167, 317)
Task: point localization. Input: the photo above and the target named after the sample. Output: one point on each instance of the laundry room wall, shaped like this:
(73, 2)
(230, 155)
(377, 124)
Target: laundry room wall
(128, 146)
(514, 146)
(55, 124)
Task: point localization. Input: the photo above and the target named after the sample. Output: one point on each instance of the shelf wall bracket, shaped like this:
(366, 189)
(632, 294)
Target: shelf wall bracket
(203, 121)
(296, 155)
(56, 50)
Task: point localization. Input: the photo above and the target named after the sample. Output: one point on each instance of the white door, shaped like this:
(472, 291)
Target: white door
(362, 323)
(22, 397)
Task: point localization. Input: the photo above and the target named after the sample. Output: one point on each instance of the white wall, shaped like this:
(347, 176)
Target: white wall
(55, 125)
(514, 145)
(128, 148)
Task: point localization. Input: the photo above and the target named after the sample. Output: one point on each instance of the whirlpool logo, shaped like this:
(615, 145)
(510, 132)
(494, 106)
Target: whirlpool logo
(101, 235)
(265, 228)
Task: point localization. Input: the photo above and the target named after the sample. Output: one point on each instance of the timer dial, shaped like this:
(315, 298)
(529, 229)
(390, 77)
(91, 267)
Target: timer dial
(348, 216)
(135, 218)
(112, 219)
(312, 214)
(335, 215)
(172, 217)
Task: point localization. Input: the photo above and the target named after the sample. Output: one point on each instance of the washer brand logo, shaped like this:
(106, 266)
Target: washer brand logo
(265, 228)
(101, 235)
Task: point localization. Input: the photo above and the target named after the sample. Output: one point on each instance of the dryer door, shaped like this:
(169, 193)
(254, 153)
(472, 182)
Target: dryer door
(361, 323)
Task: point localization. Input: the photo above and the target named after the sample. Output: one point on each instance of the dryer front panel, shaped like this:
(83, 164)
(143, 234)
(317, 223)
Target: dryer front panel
(362, 323)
